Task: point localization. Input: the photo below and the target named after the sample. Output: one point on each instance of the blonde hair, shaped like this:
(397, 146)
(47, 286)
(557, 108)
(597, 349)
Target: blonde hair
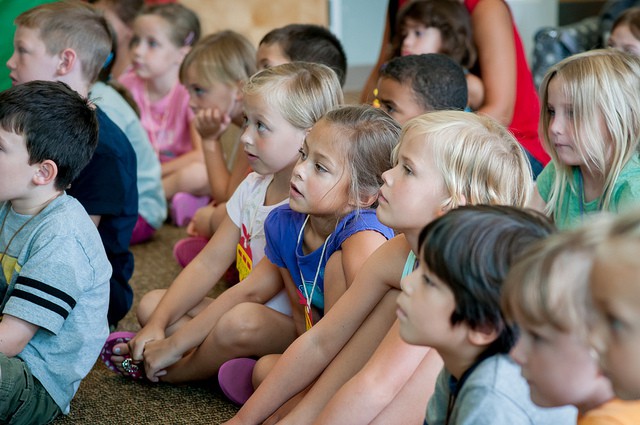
(602, 86)
(301, 92)
(369, 136)
(226, 57)
(479, 160)
(549, 285)
(72, 25)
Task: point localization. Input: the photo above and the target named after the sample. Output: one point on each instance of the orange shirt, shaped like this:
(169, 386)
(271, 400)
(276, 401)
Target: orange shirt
(614, 412)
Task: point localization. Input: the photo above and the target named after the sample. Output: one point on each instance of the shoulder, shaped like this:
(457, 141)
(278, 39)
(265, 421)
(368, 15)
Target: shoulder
(283, 218)
(613, 412)
(365, 219)
(626, 189)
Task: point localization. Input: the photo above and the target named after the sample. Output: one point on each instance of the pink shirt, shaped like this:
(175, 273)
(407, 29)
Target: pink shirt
(167, 120)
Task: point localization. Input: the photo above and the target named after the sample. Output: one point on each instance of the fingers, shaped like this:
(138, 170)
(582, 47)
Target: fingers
(211, 122)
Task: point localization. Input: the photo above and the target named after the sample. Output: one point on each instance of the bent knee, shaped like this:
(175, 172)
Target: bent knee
(241, 325)
(148, 304)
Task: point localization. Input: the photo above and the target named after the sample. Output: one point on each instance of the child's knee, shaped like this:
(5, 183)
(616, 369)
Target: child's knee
(262, 368)
(148, 304)
(240, 326)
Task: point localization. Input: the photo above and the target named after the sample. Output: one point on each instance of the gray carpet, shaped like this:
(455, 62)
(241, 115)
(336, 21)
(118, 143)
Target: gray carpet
(107, 398)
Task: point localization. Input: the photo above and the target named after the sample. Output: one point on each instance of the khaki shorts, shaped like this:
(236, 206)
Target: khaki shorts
(23, 399)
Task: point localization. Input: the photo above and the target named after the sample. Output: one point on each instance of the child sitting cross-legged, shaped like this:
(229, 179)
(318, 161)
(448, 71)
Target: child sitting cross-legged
(54, 289)
(451, 303)
(547, 295)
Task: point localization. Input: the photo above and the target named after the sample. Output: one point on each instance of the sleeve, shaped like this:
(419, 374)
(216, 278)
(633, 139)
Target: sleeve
(50, 283)
(627, 194)
(358, 222)
(437, 406)
(273, 232)
(235, 203)
(482, 406)
(545, 180)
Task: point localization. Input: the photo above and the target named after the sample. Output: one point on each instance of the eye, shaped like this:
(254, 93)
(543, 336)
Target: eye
(153, 43)
(261, 127)
(303, 154)
(245, 121)
(387, 108)
(407, 170)
(320, 168)
(135, 40)
(551, 111)
(418, 33)
(428, 281)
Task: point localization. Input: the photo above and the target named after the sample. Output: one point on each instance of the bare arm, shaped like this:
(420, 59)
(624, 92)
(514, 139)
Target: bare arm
(261, 285)
(370, 391)
(307, 357)
(493, 36)
(15, 334)
(191, 285)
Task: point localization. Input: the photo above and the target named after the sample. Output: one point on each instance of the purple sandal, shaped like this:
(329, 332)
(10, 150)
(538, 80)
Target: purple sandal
(131, 369)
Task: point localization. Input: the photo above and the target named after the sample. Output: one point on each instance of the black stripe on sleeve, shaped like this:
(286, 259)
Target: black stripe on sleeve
(47, 289)
(41, 302)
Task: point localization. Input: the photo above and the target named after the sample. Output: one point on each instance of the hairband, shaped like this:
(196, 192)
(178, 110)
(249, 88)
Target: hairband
(108, 60)
(189, 38)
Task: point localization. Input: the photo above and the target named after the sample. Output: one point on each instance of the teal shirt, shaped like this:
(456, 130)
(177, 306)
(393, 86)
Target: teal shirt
(9, 11)
(626, 194)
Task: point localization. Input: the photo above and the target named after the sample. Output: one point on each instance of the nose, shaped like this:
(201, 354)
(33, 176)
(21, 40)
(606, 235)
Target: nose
(298, 170)
(407, 40)
(386, 177)
(406, 284)
(11, 63)
(245, 137)
(556, 126)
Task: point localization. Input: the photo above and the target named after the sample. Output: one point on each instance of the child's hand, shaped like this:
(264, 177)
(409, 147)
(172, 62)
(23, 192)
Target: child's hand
(138, 343)
(158, 356)
(200, 224)
(211, 123)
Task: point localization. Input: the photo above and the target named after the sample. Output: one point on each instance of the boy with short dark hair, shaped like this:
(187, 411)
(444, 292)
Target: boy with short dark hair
(451, 302)
(412, 85)
(69, 42)
(55, 282)
(305, 43)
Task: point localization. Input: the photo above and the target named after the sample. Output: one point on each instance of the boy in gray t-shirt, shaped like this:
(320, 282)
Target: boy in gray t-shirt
(54, 285)
(451, 302)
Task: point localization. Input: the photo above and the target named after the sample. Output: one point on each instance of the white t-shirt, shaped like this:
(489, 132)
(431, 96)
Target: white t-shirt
(247, 211)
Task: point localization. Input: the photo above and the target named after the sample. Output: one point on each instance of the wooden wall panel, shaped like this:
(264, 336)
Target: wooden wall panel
(254, 18)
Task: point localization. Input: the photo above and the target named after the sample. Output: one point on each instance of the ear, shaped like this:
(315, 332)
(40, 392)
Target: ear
(183, 52)
(367, 201)
(68, 59)
(46, 173)
(482, 336)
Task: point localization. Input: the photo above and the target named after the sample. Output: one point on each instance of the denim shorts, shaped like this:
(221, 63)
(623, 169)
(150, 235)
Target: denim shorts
(23, 399)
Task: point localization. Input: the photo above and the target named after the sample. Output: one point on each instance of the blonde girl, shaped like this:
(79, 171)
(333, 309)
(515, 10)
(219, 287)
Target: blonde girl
(625, 32)
(214, 73)
(590, 128)
(547, 295)
(162, 36)
(444, 159)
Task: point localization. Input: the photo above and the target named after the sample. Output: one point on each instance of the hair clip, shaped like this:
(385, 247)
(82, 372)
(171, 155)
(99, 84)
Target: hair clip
(108, 60)
(189, 38)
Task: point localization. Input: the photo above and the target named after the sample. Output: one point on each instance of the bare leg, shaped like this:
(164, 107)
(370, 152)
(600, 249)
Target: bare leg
(192, 179)
(247, 330)
(348, 362)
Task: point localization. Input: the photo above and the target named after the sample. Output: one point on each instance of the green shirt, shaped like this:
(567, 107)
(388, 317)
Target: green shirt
(570, 212)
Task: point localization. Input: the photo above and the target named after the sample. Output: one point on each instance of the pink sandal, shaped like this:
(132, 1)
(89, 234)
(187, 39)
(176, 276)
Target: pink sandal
(131, 369)
(234, 377)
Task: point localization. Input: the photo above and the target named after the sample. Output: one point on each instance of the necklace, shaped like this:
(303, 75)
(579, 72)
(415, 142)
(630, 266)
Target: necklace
(308, 318)
(4, 221)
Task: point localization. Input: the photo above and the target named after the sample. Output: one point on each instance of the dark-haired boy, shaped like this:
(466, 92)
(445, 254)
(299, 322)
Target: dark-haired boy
(451, 303)
(305, 43)
(412, 85)
(69, 42)
(54, 289)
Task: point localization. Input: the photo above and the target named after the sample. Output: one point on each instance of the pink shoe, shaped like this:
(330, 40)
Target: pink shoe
(186, 249)
(184, 205)
(131, 370)
(234, 378)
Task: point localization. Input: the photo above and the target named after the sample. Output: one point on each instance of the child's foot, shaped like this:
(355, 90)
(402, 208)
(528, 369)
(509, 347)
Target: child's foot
(115, 355)
(184, 205)
(234, 378)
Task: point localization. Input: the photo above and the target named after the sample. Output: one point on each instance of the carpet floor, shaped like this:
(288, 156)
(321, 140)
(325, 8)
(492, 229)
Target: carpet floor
(105, 397)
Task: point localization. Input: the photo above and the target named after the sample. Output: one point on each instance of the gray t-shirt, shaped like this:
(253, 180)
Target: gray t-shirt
(494, 393)
(56, 276)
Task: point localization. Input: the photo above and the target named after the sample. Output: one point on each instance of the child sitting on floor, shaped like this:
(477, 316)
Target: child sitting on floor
(546, 293)
(451, 303)
(54, 289)
(616, 295)
(412, 85)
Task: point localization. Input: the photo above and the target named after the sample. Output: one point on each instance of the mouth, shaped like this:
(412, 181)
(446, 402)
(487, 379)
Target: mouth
(381, 198)
(251, 157)
(406, 53)
(294, 192)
